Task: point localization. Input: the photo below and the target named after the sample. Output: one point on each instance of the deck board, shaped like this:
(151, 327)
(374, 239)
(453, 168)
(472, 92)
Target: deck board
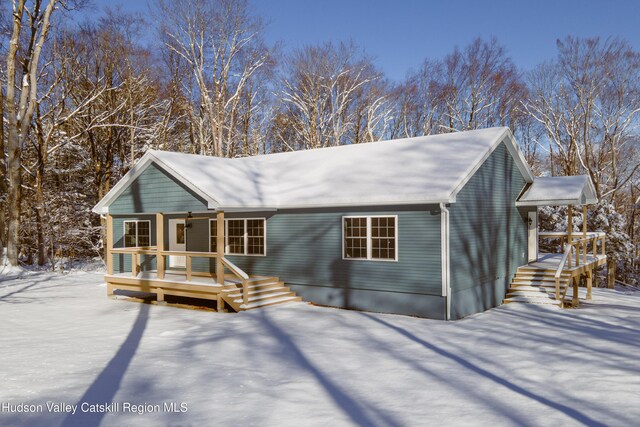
(552, 261)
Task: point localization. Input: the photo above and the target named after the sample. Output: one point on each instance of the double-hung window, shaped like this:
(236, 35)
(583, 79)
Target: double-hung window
(370, 237)
(242, 236)
(137, 233)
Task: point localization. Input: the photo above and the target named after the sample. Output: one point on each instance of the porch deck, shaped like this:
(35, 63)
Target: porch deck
(552, 262)
(261, 291)
(554, 278)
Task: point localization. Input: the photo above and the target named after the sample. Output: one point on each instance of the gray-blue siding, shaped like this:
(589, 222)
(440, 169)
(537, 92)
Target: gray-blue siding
(304, 248)
(156, 191)
(488, 235)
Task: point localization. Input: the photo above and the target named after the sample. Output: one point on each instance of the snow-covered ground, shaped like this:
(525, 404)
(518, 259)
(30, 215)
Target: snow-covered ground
(63, 341)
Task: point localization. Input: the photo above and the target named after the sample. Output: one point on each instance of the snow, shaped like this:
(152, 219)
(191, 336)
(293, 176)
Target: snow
(425, 169)
(62, 340)
(7, 270)
(559, 190)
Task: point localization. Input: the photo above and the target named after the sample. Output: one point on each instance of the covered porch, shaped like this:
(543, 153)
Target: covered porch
(207, 275)
(554, 278)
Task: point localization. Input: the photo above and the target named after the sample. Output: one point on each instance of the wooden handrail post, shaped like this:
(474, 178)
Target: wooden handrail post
(220, 247)
(160, 244)
(188, 268)
(570, 223)
(134, 264)
(245, 291)
(557, 288)
(109, 245)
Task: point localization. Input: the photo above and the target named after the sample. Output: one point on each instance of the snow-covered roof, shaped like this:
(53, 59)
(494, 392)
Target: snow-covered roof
(428, 169)
(559, 191)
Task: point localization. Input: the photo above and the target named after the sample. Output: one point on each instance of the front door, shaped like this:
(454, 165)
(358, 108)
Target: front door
(533, 236)
(177, 242)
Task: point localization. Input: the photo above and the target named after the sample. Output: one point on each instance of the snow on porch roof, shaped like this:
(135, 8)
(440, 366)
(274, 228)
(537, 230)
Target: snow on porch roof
(559, 191)
(421, 170)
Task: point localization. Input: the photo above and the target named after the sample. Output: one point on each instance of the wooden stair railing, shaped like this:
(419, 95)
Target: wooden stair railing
(567, 253)
(244, 277)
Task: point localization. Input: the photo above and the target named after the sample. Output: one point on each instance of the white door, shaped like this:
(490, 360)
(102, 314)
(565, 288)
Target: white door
(177, 242)
(533, 236)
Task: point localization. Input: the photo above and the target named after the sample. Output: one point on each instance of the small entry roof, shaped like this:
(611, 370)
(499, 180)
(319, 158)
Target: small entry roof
(559, 191)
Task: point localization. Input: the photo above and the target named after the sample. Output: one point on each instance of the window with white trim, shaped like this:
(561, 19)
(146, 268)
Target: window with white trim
(370, 237)
(137, 233)
(242, 236)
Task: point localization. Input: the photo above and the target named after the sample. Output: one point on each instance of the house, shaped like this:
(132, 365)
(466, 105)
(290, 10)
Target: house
(436, 226)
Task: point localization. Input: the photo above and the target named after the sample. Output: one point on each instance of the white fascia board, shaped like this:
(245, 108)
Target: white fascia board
(334, 205)
(102, 207)
(551, 202)
(592, 198)
(515, 152)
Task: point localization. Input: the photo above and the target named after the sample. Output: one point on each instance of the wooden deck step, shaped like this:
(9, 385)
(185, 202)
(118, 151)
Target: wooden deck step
(260, 304)
(269, 295)
(549, 283)
(259, 286)
(262, 292)
(531, 294)
(541, 301)
(259, 292)
(538, 289)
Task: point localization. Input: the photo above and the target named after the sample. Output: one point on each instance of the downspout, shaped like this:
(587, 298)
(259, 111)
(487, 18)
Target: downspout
(445, 266)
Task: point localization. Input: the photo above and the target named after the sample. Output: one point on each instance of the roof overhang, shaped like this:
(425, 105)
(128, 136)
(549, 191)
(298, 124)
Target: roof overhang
(559, 191)
(102, 207)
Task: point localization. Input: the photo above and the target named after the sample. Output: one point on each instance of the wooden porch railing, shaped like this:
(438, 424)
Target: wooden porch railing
(152, 250)
(575, 243)
(579, 242)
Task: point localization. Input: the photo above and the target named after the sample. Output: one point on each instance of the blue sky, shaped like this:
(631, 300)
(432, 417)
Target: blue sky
(400, 34)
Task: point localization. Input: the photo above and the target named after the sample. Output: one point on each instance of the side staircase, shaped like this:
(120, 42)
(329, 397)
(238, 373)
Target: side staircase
(533, 285)
(263, 291)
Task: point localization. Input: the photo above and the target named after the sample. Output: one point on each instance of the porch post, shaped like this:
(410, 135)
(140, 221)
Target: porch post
(109, 244)
(570, 231)
(160, 244)
(584, 233)
(220, 247)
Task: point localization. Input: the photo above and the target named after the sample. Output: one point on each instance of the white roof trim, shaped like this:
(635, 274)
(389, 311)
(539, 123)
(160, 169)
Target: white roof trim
(559, 191)
(103, 205)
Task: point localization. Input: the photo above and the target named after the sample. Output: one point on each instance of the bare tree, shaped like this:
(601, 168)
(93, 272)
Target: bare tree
(221, 43)
(333, 95)
(588, 103)
(20, 108)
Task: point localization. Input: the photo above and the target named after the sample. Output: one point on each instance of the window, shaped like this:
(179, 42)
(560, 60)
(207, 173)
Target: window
(213, 235)
(242, 236)
(235, 236)
(370, 237)
(137, 234)
(255, 236)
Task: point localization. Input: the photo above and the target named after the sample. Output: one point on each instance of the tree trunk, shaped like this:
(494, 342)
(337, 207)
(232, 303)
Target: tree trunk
(3, 183)
(611, 274)
(40, 215)
(15, 195)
